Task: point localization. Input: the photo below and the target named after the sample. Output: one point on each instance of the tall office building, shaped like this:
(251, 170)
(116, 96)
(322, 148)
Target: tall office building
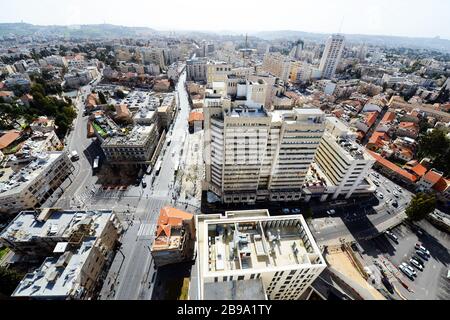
(331, 55)
(251, 255)
(254, 155)
(342, 163)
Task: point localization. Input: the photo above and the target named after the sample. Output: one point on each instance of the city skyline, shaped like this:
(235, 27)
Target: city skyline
(324, 16)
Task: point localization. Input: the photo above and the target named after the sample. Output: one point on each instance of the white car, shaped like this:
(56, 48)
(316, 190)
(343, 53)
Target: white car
(420, 247)
(395, 193)
(416, 264)
(380, 195)
(331, 212)
(391, 235)
(411, 269)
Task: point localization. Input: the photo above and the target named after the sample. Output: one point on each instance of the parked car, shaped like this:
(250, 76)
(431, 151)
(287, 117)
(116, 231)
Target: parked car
(406, 272)
(420, 261)
(380, 195)
(144, 184)
(411, 269)
(286, 211)
(422, 255)
(416, 264)
(392, 236)
(296, 211)
(375, 182)
(394, 203)
(420, 247)
(331, 212)
(395, 193)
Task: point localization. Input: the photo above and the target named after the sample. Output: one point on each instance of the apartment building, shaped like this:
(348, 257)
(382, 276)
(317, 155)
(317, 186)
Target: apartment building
(217, 71)
(342, 163)
(30, 186)
(255, 155)
(154, 56)
(76, 244)
(277, 65)
(331, 55)
(245, 248)
(166, 111)
(197, 69)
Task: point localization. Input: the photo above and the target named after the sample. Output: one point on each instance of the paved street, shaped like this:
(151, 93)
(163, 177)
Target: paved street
(132, 274)
(363, 219)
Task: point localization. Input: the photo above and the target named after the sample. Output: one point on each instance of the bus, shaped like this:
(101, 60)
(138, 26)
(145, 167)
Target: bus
(177, 164)
(158, 167)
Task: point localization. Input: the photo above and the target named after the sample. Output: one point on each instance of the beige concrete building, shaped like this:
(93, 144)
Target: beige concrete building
(277, 65)
(217, 71)
(253, 155)
(247, 246)
(342, 163)
(77, 245)
(135, 148)
(30, 186)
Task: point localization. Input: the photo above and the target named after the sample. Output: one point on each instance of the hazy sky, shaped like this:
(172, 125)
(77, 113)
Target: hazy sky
(428, 18)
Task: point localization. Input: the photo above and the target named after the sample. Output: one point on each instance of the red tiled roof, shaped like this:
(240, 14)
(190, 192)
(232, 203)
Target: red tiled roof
(432, 177)
(441, 185)
(388, 117)
(371, 118)
(8, 138)
(168, 218)
(376, 137)
(393, 167)
(196, 116)
(407, 125)
(419, 170)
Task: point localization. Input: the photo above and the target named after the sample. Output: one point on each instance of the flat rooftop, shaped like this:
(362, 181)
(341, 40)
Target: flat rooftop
(253, 240)
(52, 223)
(57, 276)
(137, 137)
(237, 112)
(11, 183)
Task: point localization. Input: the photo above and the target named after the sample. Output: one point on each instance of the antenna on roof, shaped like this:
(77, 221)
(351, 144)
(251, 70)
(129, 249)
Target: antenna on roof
(342, 22)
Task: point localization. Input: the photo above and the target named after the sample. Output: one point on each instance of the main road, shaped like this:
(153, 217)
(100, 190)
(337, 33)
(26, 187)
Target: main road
(132, 273)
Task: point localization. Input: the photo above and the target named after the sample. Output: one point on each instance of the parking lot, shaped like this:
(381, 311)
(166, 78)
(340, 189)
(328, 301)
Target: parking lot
(432, 282)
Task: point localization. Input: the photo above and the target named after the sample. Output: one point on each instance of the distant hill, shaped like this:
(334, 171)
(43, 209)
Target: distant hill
(82, 31)
(113, 31)
(410, 42)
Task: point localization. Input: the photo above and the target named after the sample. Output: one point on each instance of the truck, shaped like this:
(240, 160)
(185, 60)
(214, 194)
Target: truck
(74, 156)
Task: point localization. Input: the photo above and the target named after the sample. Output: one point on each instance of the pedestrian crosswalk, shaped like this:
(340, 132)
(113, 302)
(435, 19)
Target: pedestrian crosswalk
(146, 230)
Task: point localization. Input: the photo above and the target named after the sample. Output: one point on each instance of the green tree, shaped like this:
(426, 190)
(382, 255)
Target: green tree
(9, 279)
(421, 205)
(433, 144)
